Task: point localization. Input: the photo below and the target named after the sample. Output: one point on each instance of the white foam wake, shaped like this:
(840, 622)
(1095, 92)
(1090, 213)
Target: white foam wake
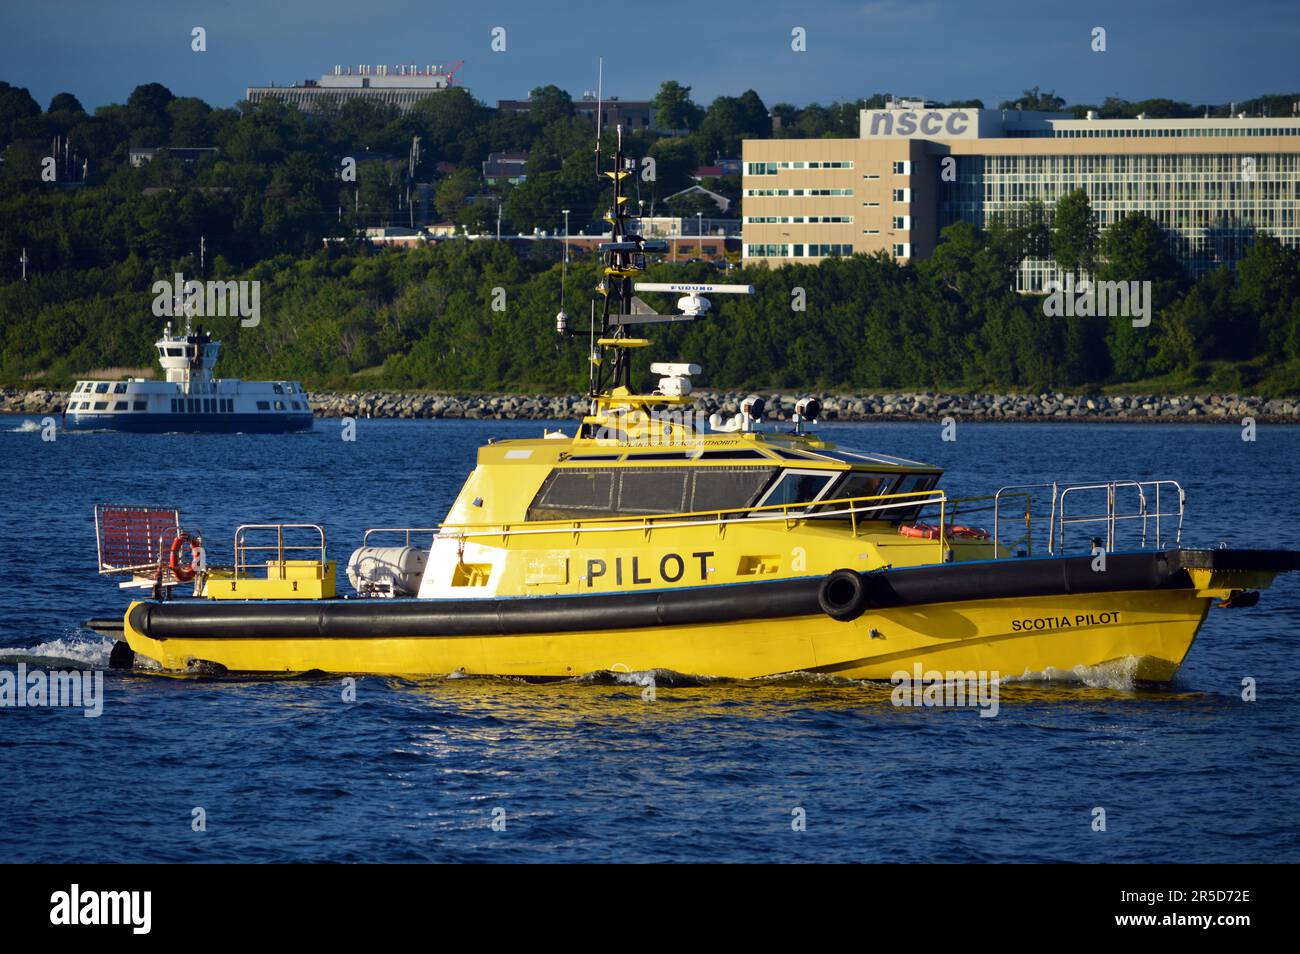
(74, 651)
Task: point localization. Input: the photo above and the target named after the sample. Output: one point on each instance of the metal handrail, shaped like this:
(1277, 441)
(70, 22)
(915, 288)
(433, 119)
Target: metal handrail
(722, 518)
(1112, 517)
(365, 540)
(242, 548)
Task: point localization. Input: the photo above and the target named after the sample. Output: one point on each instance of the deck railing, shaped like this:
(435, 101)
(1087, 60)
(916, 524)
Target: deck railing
(280, 548)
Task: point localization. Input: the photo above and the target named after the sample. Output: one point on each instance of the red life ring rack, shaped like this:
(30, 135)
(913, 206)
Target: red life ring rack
(183, 573)
(927, 531)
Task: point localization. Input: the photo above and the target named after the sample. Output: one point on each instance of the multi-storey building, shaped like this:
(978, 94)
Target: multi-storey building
(1209, 183)
(402, 86)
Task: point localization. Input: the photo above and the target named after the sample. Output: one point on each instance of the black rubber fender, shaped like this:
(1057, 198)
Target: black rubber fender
(842, 595)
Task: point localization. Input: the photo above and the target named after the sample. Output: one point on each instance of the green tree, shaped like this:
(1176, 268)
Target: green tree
(1074, 234)
(674, 109)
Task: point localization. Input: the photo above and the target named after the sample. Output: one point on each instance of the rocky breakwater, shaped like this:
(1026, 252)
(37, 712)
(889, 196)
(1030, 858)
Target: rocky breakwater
(32, 402)
(888, 406)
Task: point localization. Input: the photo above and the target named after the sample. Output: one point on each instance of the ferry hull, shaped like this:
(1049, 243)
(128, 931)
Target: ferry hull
(270, 423)
(1009, 617)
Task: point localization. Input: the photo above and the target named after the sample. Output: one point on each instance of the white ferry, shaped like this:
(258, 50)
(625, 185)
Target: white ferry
(190, 400)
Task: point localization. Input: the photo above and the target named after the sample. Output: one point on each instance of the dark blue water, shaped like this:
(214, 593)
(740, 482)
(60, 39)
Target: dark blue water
(587, 770)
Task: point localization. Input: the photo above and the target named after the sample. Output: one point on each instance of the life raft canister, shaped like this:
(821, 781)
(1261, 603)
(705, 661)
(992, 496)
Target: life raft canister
(842, 595)
(183, 573)
(929, 532)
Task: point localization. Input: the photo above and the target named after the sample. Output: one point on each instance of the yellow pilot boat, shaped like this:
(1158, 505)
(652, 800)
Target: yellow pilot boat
(652, 540)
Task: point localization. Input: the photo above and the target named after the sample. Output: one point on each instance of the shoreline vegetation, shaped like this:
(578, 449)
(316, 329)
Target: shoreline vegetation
(255, 194)
(883, 406)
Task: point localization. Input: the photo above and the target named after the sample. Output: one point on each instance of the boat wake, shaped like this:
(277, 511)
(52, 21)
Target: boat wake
(1118, 674)
(25, 427)
(75, 650)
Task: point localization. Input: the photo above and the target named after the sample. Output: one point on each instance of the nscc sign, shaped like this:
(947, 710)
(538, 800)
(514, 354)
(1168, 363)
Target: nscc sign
(920, 123)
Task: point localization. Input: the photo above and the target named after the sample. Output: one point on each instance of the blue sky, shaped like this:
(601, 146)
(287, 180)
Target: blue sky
(1192, 50)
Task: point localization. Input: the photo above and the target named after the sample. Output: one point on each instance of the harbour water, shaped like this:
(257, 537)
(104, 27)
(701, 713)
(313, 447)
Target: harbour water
(475, 769)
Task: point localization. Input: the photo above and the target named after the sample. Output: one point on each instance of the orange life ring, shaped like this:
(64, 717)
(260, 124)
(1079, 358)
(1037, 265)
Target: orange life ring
(922, 530)
(927, 532)
(182, 573)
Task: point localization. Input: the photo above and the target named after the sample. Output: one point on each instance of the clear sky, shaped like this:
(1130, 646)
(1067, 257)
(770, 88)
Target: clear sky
(1191, 50)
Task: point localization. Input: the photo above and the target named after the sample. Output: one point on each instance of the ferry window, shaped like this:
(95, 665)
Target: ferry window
(207, 405)
(279, 405)
(192, 404)
(573, 493)
(101, 405)
(119, 406)
(101, 388)
(119, 388)
(653, 490)
(162, 353)
(797, 486)
(728, 488)
(175, 407)
(264, 405)
(277, 389)
(173, 352)
(139, 405)
(297, 405)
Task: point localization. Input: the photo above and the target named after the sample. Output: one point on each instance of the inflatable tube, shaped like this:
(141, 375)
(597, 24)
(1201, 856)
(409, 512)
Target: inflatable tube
(881, 589)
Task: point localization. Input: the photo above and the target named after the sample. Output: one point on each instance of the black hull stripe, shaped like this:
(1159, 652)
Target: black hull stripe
(723, 603)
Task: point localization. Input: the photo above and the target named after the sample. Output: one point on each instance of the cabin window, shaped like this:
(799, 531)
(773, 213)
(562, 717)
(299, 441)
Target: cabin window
(119, 406)
(277, 389)
(119, 388)
(192, 405)
(913, 483)
(264, 405)
(653, 490)
(279, 405)
(798, 486)
(101, 388)
(207, 405)
(574, 493)
(101, 405)
(857, 484)
(727, 488)
(584, 493)
(173, 352)
(139, 405)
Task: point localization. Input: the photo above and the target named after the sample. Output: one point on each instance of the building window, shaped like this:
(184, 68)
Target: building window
(903, 250)
(902, 195)
(767, 251)
(902, 168)
(903, 222)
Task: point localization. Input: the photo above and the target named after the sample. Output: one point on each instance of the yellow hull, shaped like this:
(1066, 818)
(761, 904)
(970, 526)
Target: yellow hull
(1007, 636)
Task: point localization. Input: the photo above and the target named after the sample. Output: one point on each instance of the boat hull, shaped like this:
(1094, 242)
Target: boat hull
(1008, 617)
(269, 423)
(1148, 633)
